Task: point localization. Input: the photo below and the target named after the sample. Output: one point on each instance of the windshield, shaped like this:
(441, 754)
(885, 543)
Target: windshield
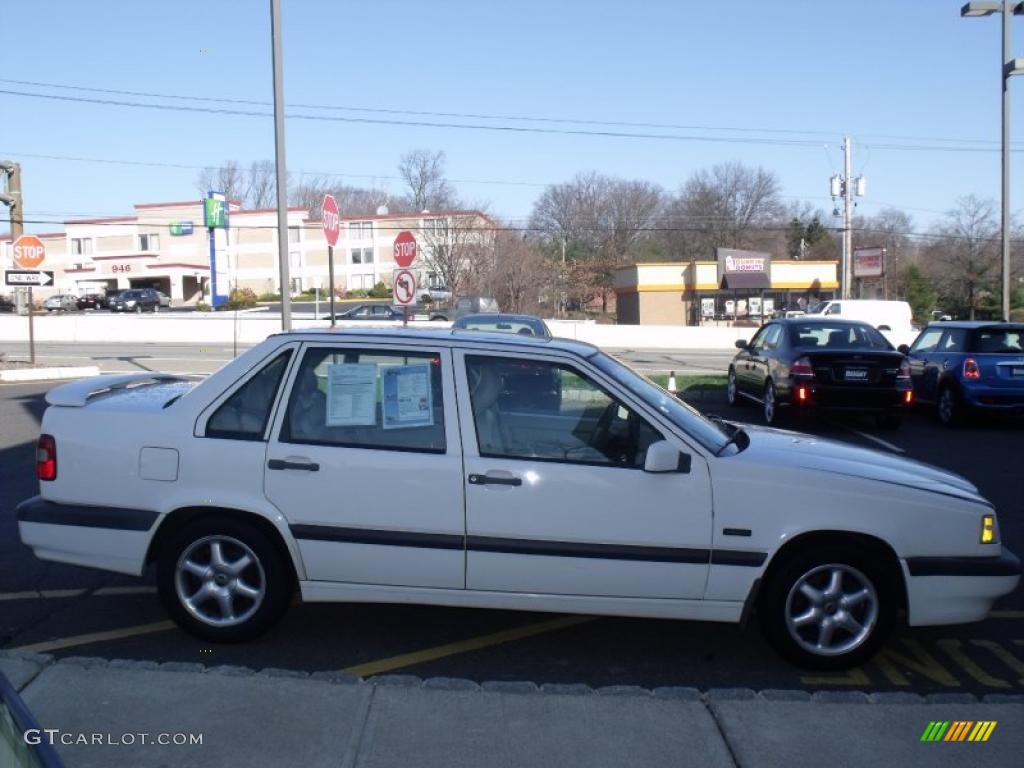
(687, 418)
(836, 336)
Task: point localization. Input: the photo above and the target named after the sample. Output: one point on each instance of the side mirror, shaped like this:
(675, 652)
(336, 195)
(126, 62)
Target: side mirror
(903, 349)
(742, 344)
(663, 457)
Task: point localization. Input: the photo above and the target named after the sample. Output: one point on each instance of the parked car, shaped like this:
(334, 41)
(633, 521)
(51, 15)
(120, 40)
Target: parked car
(622, 501)
(63, 302)
(810, 363)
(371, 312)
(6, 304)
(960, 366)
(435, 294)
(92, 301)
(467, 305)
(165, 300)
(136, 300)
(883, 315)
(524, 325)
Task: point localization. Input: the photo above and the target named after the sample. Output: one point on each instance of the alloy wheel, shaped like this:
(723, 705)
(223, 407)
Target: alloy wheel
(769, 403)
(831, 610)
(220, 581)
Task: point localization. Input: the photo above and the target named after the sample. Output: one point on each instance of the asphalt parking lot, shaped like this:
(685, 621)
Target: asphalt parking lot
(71, 611)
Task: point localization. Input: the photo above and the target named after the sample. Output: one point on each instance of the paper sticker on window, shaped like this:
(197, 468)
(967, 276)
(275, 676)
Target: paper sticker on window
(352, 395)
(408, 397)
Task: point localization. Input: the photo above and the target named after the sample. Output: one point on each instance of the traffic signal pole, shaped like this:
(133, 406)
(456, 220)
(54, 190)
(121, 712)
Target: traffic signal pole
(14, 201)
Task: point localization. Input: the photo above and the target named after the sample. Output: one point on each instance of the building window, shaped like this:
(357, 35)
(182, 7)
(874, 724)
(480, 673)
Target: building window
(149, 242)
(293, 234)
(294, 259)
(435, 227)
(362, 255)
(81, 246)
(360, 230)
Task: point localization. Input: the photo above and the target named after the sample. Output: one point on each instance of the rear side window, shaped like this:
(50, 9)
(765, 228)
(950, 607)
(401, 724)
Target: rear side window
(357, 398)
(244, 415)
(999, 341)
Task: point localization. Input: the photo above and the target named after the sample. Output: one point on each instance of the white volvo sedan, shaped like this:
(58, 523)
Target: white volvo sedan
(472, 469)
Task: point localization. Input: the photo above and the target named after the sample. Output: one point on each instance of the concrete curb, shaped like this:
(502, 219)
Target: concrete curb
(48, 374)
(527, 688)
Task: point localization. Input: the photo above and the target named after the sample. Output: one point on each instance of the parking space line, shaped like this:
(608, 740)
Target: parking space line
(95, 637)
(874, 439)
(464, 646)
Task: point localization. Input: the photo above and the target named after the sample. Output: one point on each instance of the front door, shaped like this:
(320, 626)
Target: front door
(365, 464)
(924, 371)
(557, 501)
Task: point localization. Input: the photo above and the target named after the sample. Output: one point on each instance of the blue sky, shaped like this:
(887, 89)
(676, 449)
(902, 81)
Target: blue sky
(874, 69)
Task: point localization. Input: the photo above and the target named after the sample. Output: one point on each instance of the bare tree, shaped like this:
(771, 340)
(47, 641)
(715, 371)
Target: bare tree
(458, 245)
(964, 260)
(228, 179)
(260, 191)
(424, 175)
(727, 206)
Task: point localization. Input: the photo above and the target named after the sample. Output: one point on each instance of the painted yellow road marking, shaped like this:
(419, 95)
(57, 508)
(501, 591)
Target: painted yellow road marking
(54, 594)
(96, 637)
(464, 646)
(921, 662)
(1004, 656)
(953, 649)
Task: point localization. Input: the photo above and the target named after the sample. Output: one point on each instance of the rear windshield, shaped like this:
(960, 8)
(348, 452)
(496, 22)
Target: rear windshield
(836, 336)
(999, 341)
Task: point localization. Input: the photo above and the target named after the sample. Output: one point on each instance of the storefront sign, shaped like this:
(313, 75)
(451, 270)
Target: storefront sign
(745, 270)
(179, 228)
(868, 262)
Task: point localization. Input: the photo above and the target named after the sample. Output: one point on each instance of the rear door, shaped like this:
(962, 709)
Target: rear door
(365, 464)
(557, 501)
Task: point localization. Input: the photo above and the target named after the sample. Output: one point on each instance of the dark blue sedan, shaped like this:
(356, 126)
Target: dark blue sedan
(966, 366)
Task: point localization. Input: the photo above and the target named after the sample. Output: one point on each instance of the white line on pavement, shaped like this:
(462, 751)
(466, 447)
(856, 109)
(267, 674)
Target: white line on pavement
(51, 594)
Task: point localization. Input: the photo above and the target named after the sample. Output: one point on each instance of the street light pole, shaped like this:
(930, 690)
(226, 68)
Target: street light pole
(1007, 68)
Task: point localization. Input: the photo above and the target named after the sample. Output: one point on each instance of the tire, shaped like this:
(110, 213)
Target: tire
(156, 308)
(783, 603)
(770, 405)
(949, 407)
(889, 420)
(732, 393)
(138, 309)
(267, 580)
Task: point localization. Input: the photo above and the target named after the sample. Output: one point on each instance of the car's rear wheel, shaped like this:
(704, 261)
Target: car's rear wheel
(138, 309)
(829, 607)
(949, 408)
(732, 392)
(223, 580)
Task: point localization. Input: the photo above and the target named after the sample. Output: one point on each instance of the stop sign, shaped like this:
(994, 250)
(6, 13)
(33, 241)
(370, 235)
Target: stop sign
(331, 220)
(28, 252)
(405, 249)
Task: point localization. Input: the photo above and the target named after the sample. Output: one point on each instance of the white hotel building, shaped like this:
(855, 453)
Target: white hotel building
(156, 248)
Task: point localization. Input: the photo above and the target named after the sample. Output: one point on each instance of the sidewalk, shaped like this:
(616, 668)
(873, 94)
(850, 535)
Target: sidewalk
(282, 718)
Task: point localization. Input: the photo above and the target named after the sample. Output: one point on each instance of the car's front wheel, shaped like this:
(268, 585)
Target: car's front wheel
(223, 580)
(732, 392)
(829, 607)
(770, 405)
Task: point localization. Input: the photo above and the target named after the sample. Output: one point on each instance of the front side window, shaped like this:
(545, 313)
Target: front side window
(955, 340)
(527, 409)
(927, 341)
(772, 337)
(244, 415)
(355, 398)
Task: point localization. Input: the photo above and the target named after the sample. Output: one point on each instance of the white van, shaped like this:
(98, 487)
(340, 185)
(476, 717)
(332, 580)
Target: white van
(883, 315)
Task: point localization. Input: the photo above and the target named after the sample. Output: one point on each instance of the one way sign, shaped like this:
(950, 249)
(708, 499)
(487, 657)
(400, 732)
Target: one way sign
(28, 277)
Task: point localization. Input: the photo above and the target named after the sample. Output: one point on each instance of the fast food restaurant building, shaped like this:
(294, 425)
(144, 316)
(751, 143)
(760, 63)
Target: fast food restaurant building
(737, 285)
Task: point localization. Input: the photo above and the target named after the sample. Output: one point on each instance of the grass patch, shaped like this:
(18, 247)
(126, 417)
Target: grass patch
(699, 387)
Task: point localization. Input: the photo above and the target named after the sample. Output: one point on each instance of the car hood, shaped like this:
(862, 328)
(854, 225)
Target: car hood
(795, 449)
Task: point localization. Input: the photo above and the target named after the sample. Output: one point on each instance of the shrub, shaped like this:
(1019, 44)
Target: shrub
(358, 293)
(269, 297)
(380, 291)
(241, 298)
(202, 306)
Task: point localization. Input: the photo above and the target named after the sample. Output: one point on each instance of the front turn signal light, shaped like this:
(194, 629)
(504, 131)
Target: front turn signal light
(989, 531)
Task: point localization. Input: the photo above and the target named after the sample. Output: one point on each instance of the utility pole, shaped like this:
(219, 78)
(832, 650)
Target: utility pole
(847, 218)
(282, 178)
(12, 197)
(561, 281)
(1007, 67)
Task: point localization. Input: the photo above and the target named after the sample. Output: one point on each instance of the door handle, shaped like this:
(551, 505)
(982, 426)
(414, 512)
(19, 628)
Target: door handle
(492, 480)
(308, 466)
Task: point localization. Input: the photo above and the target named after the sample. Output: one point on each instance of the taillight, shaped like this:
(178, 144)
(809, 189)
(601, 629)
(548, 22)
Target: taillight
(46, 458)
(904, 372)
(971, 370)
(801, 367)
(908, 397)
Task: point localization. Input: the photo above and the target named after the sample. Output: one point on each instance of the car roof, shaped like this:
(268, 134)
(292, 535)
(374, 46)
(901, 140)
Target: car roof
(498, 317)
(817, 320)
(446, 336)
(973, 324)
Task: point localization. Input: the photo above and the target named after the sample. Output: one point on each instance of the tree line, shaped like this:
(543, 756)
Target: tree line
(579, 232)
